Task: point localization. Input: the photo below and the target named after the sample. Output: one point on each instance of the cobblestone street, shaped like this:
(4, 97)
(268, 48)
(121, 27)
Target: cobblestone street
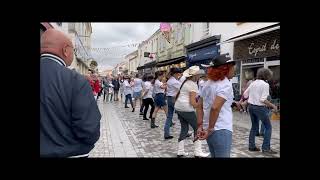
(125, 134)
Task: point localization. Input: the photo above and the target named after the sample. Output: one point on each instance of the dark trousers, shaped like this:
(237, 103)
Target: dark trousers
(187, 118)
(128, 97)
(146, 103)
(106, 93)
(116, 92)
(142, 106)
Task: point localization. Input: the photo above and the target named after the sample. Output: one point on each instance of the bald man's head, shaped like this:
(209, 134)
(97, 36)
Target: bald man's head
(57, 43)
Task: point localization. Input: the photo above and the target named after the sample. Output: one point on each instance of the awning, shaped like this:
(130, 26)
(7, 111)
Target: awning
(252, 33)
(171, 61)
(147, 65)
(140, 67)
(203, 43)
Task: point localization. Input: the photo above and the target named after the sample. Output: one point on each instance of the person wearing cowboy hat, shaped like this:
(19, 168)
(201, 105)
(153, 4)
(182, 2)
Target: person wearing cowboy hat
(186, 107)
(215, 114)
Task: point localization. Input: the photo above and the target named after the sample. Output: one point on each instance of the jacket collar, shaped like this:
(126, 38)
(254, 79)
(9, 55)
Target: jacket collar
(54, 58)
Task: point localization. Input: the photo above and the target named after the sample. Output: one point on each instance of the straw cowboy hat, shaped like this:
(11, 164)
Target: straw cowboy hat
(219, 60)
(191, 71)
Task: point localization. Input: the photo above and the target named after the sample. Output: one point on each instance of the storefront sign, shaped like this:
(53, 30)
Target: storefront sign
(264, 45)
(203, 53)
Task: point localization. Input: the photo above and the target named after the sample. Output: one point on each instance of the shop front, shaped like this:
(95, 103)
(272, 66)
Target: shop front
(203, 51)
(179, 62)
(147, 69)
(256, 52)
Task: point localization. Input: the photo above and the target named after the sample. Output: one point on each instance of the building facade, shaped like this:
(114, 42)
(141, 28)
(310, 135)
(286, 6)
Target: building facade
(132, 59)
(80, 34)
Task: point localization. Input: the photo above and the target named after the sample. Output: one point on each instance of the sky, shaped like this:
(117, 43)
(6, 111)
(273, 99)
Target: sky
(116, 37)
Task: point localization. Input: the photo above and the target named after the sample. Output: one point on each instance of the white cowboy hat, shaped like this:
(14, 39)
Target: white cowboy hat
(191, 71)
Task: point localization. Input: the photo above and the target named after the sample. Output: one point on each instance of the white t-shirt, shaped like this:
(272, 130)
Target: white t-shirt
(258, 91)
(201, 84)
(182, 78)
(223, 89)
(148, 87)
(173, 86)
(183, 101)
(127, 88)
(137, 85)
(157, 88)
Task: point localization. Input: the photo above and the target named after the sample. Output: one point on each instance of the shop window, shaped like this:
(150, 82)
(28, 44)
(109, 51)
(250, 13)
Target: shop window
(255, 60)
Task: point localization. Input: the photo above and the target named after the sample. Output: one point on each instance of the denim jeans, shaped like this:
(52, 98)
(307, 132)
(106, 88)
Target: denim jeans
(128, 97)
(260, 113)
(187, 118)
(262, 129)
(219, 143)
(170, 101)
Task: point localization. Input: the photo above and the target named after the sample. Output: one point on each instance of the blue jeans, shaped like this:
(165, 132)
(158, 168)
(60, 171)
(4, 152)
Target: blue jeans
(260, 113)
(168, 122)
(262, 129)
(128, 97)
(219, 143)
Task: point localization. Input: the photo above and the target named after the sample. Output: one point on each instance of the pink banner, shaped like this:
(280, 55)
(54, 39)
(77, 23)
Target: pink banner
(165, 27)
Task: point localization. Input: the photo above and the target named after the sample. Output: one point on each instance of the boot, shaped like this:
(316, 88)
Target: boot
(181, 152)
(153, 125)
(198, 150)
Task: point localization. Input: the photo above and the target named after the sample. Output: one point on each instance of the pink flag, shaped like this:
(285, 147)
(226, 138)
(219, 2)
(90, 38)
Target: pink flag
(165, 27)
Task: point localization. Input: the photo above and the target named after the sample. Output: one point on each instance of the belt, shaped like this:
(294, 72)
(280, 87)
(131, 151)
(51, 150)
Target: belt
(159, 93)
(257, 105)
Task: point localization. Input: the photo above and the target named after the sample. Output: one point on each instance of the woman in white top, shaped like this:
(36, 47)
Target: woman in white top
(185, 106)
(215, 115)
(128, 91)
(137, 89)
(258, 92)
(159, 99)
(147, 97)
(144, 79)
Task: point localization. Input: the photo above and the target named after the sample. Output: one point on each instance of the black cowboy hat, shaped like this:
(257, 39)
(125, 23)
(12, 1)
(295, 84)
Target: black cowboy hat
(176, 70)
(220, 60)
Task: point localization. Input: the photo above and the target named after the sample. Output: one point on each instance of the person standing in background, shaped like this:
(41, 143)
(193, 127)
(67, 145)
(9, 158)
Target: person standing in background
(128, 91)
(147, 97)
(137, 89)
(116, 87)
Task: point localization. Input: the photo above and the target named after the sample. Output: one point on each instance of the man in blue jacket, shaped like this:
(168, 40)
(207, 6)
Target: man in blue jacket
(69, 115)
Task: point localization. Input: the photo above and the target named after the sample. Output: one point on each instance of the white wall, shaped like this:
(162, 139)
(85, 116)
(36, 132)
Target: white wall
(226, 30)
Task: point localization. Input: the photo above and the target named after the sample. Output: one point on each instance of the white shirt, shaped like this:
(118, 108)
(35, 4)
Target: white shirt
(157, 88)
(127, 88)
(137, 85)
(173, 86)
(148, 87)
(201, 84)
(258, 91)
(223, 89)
(183, 101)
(182, 78)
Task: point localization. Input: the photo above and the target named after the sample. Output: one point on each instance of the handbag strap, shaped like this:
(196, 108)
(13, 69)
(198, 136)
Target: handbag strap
(180, 89)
